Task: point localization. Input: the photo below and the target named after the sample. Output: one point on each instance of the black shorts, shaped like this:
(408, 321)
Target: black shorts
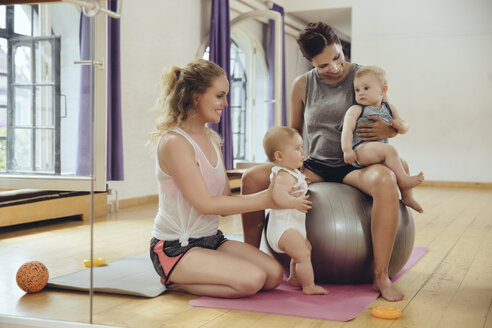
(165, 255)
(329, 173)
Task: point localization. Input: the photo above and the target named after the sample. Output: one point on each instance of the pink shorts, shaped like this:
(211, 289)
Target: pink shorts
(165, 255)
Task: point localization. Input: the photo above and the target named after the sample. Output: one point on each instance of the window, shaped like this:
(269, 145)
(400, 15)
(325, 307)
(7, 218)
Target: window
(29, 94)
(249, 93)
(239, 97)
(254, 114)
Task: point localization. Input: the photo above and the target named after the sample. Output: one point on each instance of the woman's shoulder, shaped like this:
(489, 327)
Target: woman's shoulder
(172, 141)
(301, 79)
(299, 84)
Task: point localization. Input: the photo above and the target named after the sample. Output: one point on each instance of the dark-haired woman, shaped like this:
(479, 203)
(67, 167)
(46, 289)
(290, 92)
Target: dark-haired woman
(319, 100)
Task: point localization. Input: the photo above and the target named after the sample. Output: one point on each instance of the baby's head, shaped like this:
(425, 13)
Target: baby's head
(283, 146)
(370, 85)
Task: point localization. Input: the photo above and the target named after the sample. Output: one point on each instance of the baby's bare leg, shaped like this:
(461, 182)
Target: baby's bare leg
(378, 152)
(292, 280)
(407, 194)
(295, 245)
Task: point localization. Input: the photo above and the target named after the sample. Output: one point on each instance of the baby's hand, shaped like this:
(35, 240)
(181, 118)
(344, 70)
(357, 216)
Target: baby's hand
(397, 124)
(349, 156)
(302, 204)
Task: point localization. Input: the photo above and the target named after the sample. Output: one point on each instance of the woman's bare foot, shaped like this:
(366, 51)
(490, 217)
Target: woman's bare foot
(411, 181)
(293, 281)
(412, 203)
(384, 285)
(314, 290)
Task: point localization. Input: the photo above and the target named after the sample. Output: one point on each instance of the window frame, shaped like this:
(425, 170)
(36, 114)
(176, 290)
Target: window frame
(97, 181)
(239, 81)
(11, 108)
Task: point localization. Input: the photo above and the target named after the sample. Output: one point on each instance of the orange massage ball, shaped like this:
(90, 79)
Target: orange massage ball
(32, 276)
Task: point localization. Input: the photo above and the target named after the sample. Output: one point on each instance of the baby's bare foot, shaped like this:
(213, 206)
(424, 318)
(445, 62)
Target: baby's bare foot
(412, 203)
(293, 281)
(411, 181)
(314, 290)
(384, 285)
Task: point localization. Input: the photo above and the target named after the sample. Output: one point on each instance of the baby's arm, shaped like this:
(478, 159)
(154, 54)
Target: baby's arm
(349, 123)
(398, 122)
(281, 189)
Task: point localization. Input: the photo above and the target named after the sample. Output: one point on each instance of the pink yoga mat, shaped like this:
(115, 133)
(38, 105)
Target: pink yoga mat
(343, 303)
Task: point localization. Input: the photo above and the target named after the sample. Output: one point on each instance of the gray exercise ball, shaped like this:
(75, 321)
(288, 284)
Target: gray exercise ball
(339, 229)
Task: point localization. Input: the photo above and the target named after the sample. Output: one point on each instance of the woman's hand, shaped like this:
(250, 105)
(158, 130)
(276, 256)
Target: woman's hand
(308, 181)
(269, 191)
(378, 130)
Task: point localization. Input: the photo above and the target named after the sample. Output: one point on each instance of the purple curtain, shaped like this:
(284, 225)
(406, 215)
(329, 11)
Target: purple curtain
(114, 137)
(220, 53)
(115, 133)
(271, 71)
(83, 141)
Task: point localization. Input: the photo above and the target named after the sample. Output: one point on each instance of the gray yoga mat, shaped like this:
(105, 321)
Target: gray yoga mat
(133, 275)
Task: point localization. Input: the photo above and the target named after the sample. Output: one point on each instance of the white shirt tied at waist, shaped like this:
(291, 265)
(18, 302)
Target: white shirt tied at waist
(184, 239)
(191, 225)
(177, 219)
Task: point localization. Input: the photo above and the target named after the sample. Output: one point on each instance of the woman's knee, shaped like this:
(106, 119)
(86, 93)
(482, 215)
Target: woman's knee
(255, 179)
(275, 275)
(384, 183)
(250, 283)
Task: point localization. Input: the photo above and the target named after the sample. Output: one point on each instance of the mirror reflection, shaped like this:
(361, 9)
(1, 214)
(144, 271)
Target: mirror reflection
(42, 95)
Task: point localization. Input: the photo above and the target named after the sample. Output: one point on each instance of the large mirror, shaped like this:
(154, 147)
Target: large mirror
(53, 104)
(44, 99)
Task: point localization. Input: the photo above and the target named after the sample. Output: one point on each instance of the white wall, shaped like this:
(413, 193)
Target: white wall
(154, 35)
(438, 58)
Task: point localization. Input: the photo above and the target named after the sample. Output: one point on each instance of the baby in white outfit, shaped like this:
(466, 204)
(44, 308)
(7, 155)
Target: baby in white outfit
(286, 231)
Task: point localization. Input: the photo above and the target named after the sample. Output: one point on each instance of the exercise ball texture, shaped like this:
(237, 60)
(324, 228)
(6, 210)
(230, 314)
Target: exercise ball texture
(339, 229)
(32, 276)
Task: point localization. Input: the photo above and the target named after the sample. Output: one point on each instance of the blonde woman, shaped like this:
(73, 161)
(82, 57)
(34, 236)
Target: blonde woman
(188, 250)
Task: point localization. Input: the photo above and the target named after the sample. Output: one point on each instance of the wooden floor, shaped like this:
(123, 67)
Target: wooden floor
(451, 286)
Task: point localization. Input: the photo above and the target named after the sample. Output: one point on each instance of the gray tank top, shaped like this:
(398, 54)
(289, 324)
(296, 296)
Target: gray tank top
(384, 113)
(324, 110)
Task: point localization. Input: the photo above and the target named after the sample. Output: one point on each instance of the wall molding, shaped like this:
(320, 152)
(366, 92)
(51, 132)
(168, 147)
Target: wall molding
(130, 202)
(144, 200)
(457, 184)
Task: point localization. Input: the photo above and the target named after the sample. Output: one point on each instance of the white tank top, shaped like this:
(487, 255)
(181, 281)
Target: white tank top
(177, 219)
